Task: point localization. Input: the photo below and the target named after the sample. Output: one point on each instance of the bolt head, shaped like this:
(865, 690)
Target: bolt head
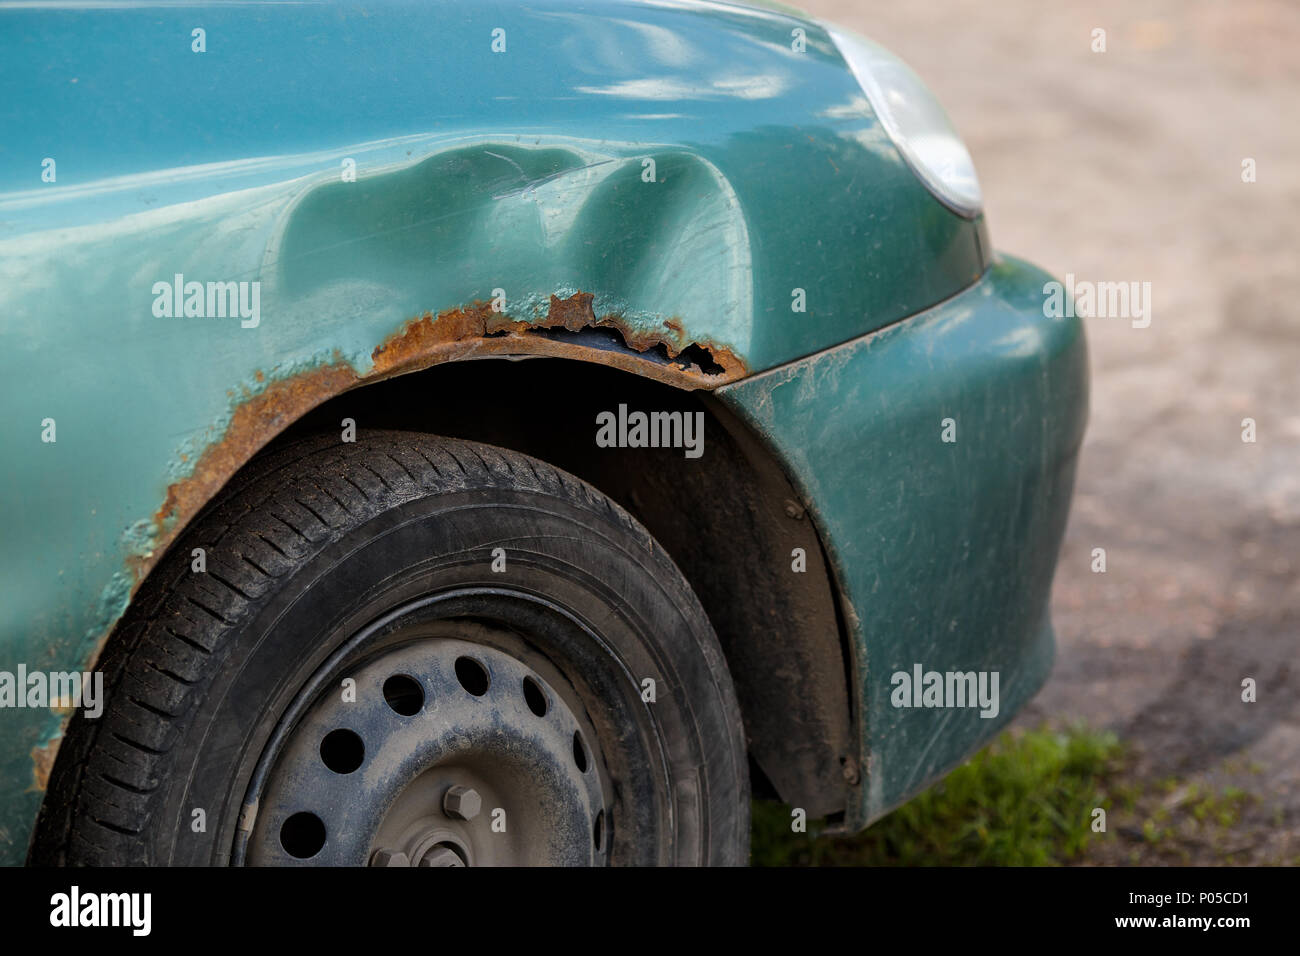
(462, 803)
(386, 857)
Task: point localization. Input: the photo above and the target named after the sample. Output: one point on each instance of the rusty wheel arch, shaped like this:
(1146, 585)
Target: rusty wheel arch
(570, 328)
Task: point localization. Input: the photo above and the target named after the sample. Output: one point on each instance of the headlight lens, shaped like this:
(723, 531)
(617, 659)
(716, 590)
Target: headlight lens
(915, 122)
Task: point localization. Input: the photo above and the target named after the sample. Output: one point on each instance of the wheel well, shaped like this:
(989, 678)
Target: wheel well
(729, 519)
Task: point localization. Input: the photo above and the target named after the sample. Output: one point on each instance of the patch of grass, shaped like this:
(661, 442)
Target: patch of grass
(1025, 800)
(1180, 818)
(1223, 808)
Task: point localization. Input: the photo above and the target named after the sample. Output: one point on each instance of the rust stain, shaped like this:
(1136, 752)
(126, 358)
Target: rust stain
(254, 423)
(43, 762)
(425, 341)
(572, 313)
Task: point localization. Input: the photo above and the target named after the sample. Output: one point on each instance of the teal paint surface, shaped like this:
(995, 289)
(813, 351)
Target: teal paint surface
(944, 550)
(475, 170)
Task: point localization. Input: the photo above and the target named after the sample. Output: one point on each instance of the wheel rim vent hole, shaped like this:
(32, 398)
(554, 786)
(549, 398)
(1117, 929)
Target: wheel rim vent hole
(535, 697)
(404, 694)
(302, 835)
(579, 751)
(473, 676)
(343, 751)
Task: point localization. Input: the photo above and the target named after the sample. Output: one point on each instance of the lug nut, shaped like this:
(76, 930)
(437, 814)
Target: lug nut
(441, 856)
(462, 803)
(386, 857)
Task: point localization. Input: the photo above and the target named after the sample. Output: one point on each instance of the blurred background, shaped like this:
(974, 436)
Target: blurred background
(1126, 165)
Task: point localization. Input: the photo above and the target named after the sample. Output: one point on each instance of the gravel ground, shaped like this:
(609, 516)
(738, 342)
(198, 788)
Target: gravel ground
(1127, 165)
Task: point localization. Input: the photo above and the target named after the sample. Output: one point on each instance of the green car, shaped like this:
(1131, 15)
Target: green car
(501, 433)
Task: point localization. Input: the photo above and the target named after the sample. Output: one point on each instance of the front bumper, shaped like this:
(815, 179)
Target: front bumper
(937, 457)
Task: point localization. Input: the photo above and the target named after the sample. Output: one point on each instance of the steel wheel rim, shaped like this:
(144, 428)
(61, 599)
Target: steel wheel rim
(348, 778)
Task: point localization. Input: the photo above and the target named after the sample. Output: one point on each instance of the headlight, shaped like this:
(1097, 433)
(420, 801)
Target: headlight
(915, 122)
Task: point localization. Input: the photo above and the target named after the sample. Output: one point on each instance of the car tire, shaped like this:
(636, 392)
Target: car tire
(407, 650)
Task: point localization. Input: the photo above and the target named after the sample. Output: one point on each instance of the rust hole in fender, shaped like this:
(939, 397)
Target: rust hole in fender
(668, 355)
(570, 329)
